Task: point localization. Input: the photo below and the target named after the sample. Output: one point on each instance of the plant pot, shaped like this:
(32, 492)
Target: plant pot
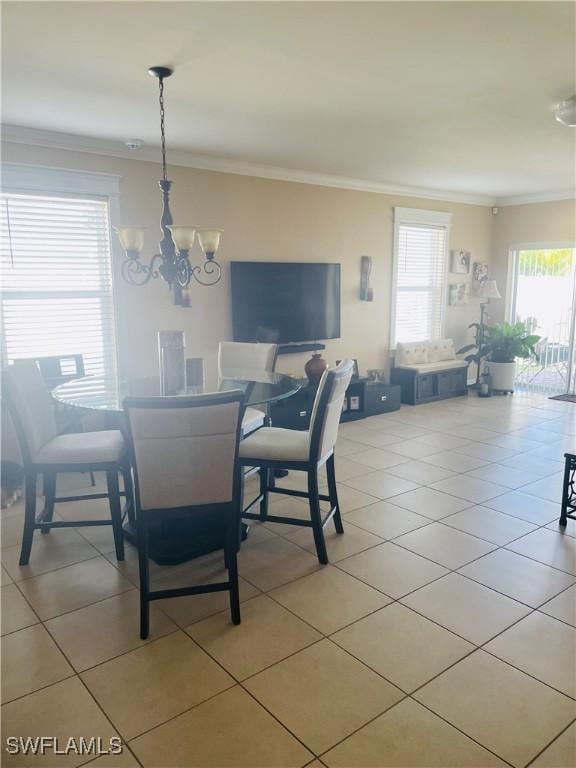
(314, 368)
(502, 376)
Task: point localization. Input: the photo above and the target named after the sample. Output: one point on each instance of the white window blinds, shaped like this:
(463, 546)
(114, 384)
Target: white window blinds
(56, 296)
(420, 268)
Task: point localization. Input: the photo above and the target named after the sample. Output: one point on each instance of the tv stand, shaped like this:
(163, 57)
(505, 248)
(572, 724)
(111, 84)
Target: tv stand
(291, 349)
(363, 398)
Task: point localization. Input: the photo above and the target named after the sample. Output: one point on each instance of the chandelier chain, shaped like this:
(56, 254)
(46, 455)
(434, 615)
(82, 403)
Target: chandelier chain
(162, 133)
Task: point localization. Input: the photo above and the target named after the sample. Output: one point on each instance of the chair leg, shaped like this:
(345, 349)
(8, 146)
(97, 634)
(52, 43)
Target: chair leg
(316, 516)
(333, 493)
(239, 524)
(265, 475)
(115, 511)
(129, 491)
(144, 576)
(232, 566)
(49, 482)
(29, 517)
(565, 491)
(79, 427)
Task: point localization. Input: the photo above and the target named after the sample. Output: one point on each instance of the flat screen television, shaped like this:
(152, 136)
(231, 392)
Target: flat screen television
(285, 302)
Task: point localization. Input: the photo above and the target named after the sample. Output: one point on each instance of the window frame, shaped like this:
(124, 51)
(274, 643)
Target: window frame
(423, 217)
(59, 182)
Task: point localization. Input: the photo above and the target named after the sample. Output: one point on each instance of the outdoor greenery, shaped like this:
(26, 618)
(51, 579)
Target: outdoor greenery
(555, 262)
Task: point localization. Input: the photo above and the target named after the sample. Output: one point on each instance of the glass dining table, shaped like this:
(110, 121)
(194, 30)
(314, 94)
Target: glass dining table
(106, 394)
(171, 542)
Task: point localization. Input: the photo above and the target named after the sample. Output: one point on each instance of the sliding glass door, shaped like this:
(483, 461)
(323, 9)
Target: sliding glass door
(544, 297)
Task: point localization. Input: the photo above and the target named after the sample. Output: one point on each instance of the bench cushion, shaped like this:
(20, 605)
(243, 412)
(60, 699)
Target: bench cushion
(440, 350)
(443, 365)
(411, 353)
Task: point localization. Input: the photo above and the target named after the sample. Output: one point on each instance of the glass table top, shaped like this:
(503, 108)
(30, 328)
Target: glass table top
(107, 394)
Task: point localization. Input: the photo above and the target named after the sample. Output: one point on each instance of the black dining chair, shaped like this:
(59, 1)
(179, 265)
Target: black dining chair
(46, 453)
(184, 454)
(272, 448)
(56, 370)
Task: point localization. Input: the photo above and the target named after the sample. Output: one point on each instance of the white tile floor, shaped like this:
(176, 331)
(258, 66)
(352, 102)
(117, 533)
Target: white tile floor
(442, 634)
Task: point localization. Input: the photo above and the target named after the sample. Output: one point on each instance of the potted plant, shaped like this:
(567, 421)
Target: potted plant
(503, 343)
(477, 349)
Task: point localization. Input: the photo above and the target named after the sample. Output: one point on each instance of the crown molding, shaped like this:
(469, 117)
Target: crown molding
(537, 197)
(110, 148)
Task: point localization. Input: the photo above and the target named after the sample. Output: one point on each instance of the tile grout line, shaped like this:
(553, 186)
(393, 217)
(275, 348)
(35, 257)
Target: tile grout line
(51, 570)
(496, 548)
(383, 541)
(562, 732)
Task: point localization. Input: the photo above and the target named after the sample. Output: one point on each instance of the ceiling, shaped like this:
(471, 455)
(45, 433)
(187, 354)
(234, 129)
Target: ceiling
(455, 97)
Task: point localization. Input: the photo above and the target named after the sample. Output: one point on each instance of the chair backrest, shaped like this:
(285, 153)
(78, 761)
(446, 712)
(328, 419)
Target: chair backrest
(185, 449)
(58, 369)
(235, 356)
(327, 410)
(31, 407)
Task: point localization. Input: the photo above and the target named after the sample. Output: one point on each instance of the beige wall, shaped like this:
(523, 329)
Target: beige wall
(532, 224)
(266, 220)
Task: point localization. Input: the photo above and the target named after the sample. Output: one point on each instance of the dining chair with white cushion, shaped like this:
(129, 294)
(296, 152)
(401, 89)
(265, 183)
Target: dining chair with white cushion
(241, 358)
(46, 453)
(273, 448)
(56, 370)
(184, 454)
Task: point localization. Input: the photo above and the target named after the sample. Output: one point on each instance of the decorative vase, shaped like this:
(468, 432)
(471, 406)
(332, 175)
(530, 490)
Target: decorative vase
(314, 368)
(171, 351)
(485, 385)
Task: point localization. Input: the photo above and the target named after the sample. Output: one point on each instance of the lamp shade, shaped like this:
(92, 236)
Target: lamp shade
(209, 241)
(489, 290)
(131, 238)
(183, 237)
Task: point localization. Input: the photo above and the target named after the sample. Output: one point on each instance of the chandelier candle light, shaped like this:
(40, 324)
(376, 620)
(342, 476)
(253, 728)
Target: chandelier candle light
(172, 263)
(565, 112)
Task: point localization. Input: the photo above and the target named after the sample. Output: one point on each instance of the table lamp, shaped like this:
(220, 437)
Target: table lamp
(488, 290)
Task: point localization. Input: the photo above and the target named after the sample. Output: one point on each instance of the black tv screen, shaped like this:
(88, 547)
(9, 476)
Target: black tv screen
(285, 302)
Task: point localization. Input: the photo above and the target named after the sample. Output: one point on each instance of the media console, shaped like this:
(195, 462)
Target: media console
(363, 398)
(292, 349)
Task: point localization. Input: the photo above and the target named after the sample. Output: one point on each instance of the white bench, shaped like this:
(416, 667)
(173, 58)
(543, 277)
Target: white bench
(429, 370)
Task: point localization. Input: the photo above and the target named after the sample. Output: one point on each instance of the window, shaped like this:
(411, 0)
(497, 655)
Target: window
(56, 279)
(420, 268)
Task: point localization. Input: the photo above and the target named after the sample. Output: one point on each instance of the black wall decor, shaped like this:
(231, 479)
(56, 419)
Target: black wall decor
(366, 291)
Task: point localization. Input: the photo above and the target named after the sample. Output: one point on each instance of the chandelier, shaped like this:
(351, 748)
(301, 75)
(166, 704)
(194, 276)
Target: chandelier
(565, 112)
(172, 264)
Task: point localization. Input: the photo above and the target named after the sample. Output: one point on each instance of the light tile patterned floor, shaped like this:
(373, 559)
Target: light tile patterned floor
(442, 634)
